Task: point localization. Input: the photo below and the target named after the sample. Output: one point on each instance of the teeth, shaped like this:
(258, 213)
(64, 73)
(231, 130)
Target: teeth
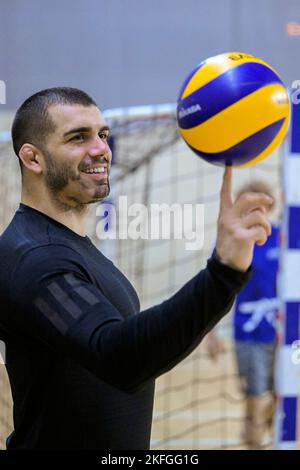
(95, 170)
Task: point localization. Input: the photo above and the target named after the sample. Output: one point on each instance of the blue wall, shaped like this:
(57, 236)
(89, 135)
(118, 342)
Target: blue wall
(128, 52)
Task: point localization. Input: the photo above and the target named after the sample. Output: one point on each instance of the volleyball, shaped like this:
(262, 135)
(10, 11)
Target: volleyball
(233, 109)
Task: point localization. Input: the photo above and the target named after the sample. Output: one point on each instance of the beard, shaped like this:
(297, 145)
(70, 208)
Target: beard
(67, 187)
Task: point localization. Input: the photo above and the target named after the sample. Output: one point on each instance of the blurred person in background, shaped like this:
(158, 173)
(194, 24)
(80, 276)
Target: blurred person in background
(254, 326)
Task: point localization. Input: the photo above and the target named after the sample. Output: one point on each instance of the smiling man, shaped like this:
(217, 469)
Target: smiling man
(81, 357)
(59, 143)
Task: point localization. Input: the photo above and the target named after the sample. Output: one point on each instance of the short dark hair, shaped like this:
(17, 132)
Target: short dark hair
(32, 122)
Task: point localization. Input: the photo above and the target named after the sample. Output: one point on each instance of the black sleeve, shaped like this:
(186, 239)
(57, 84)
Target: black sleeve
(55, 302)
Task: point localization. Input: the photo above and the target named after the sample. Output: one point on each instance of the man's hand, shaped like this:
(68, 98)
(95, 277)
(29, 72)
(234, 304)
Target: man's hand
(241, 224)
(214, 346)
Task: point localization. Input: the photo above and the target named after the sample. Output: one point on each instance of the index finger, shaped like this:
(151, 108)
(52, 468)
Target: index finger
(226, 189)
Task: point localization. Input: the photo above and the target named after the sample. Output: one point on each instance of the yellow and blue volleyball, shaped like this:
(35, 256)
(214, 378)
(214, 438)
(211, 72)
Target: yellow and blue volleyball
(233, 109)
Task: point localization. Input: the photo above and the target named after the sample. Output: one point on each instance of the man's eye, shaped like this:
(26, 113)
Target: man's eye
(103, 136)
(78, 137)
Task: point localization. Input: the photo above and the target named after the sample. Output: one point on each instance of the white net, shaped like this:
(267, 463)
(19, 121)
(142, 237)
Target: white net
(198, 404)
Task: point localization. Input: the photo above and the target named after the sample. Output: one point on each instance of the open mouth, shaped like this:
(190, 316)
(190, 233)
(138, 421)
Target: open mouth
(97, 172)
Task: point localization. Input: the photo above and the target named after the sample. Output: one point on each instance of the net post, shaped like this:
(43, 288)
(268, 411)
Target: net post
(287, 368)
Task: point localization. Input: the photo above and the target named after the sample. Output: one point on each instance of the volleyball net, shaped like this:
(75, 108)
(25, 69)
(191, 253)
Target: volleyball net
(156, 181)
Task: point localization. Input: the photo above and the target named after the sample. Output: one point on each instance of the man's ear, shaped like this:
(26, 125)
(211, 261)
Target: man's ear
(31, 158)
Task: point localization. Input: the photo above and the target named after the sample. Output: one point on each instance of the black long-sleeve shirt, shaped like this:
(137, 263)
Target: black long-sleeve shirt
(81, 358)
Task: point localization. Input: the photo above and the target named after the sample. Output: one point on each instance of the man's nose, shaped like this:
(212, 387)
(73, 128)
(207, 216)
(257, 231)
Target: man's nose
(99, 147)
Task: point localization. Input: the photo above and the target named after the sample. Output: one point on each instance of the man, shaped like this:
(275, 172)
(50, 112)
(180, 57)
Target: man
(81, 359)
(254, 325)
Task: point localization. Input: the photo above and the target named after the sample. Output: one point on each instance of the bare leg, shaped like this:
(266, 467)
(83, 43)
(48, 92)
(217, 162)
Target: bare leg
(258, 418)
